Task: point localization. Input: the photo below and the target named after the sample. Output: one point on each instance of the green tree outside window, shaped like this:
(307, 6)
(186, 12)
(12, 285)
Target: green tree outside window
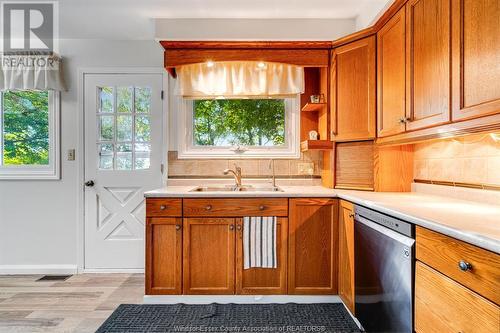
(25, 127)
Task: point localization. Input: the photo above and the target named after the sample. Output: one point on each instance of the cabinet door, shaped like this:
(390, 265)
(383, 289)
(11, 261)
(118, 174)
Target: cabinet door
(443, 305)
(209, 248)
(428, 63)
(391, 46)
(353, 91)
(263, 281)
(476, 58)
(313, 246)
(346, 254)
(163, 256)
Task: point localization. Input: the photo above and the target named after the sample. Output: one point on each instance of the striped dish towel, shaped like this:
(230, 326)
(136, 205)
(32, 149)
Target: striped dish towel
(259, 242)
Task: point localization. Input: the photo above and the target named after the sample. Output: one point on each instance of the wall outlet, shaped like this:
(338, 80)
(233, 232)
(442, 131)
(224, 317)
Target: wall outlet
(305, 168)
(71, 154)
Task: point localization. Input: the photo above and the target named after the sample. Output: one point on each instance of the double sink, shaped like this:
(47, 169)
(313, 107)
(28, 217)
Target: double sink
(234, 188)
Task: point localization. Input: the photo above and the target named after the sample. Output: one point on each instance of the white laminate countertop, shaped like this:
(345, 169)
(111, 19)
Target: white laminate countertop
(470, 221)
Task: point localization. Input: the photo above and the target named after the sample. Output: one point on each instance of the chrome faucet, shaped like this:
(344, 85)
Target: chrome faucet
(236, 173)
(273, 175)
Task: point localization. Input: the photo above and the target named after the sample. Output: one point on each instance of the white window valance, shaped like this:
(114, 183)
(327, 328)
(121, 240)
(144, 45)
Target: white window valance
(31, 72)
(236, 79)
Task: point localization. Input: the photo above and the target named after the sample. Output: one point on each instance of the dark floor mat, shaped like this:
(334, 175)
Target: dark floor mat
(215, 318)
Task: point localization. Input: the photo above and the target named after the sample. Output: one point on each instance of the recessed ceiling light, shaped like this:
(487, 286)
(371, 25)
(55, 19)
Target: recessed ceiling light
(261, 64)
(210, 63)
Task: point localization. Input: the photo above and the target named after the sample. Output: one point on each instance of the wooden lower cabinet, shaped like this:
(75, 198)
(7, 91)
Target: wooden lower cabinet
(443, 305)
(209, 256)
(163, 256)
(346, 254)
(313, 244)
(263, 281)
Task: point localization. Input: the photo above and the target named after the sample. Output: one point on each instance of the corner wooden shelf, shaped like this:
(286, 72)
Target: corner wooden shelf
(310, 107)
(316, 145)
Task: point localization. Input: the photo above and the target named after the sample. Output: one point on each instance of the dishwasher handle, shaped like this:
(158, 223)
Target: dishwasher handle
(385, 231)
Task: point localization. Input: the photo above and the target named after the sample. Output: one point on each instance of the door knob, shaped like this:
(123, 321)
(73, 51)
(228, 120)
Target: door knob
(89, 183)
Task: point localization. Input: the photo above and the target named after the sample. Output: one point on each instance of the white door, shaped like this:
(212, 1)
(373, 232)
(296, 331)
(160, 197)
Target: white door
(123, 156)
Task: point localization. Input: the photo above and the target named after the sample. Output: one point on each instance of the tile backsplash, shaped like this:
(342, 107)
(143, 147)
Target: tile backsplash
(178, 168)
(470, 159)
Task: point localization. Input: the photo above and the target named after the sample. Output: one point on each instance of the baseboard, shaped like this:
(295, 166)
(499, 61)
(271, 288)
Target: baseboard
(239, 299)
(113, 270)
(37, 269)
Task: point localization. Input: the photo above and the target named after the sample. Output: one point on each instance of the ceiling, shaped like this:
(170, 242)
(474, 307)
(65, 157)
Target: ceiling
(133, 19)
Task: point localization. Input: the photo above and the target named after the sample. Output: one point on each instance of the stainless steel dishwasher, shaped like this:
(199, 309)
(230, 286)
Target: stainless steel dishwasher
(384, 265)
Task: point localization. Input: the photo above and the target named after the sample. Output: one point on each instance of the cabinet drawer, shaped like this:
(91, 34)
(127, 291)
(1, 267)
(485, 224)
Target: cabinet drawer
(236, 207)
(445, 253)
(163, 207)
(443, 305)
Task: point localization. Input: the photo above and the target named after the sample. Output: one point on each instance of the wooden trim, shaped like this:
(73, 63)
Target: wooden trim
(367, 32)
(471, 126)
(479, 186)
(388, 14)
(245, 44)
(316, 145)
(300, 57)
(393, 168)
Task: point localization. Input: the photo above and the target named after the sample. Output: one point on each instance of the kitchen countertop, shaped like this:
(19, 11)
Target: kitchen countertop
(470, 221)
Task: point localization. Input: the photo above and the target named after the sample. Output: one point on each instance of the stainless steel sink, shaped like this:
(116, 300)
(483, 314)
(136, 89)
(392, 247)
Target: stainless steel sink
(232, 188)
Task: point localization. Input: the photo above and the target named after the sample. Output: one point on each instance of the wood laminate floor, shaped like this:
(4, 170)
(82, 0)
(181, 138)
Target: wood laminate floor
(79, 304)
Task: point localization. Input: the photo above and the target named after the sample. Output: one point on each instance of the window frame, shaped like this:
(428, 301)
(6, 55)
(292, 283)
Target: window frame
(37, 172)
(188, 150)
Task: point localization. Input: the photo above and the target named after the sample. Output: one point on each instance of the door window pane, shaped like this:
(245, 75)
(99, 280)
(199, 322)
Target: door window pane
(142, 99)
(142, 128)
(126, 147)
(124, 99)
(124, 128)
(106, 125)
(105, 99)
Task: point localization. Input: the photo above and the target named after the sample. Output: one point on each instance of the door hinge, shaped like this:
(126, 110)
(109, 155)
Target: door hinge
(161, 94)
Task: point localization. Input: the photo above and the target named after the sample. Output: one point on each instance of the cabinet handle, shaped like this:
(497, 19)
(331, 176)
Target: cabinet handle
(262, 207)
(402, 120)
(163, 207)
(208, 207)
(464, 266)
(178, 227)
(351, 215)
(231, 227)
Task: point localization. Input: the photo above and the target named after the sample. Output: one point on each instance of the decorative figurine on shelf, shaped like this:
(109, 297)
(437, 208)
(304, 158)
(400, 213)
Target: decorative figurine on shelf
(313, 135)
(317, 98)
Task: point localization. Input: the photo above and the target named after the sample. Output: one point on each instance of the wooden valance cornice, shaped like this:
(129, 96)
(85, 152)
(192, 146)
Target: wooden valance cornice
(307, 53)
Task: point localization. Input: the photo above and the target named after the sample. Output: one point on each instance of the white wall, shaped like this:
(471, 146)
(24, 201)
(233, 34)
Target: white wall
(38, 219)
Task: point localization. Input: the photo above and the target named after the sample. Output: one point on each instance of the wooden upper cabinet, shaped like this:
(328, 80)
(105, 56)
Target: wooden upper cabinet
(391, 47)
(163, 256)
(346, 254)
(476, 58)
(209, 256)
(428, 63)
(313, 246)
(353, 92)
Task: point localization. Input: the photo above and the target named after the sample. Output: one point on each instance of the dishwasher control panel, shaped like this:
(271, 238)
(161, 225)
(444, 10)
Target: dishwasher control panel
(390, 222)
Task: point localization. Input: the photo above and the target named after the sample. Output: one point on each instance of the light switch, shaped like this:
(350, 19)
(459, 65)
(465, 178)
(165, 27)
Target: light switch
(71, 154)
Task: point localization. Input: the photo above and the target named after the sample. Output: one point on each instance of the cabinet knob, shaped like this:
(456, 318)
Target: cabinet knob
(163, 207)
(178, 227)
(238, 227)
(208, 207)
(89, 183)
(351, 215)
(262, 207)
(464, 266)
(231, 227)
